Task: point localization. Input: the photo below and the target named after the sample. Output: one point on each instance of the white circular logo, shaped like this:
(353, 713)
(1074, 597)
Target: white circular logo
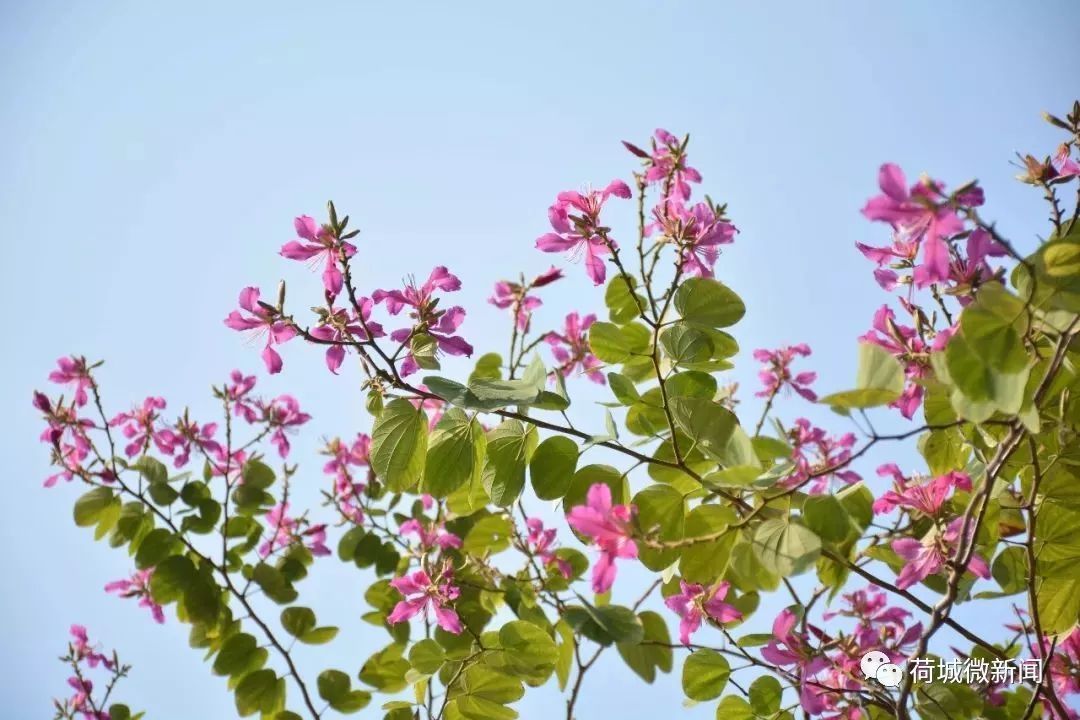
(890, 675)
(872, 661)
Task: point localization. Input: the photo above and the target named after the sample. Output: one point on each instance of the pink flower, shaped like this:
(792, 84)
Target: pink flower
(138, 586)
(82, 650)
(287, 530)
(67, 434)
(917, 215)
(667, 164)
(906, 345)
(262, 318)
(440, 324)
(571, 348)
(342, 327)
(973, 269)
(138, 427)
(516, 296)
(582, 233)
(695, 603)
(777, 371)
(431, 535)
(925, 497)
(83, 689)
(928, 556)
(790, 648)
(698, 231)
(610, 527)
(1064, 165)
(543, 547)
(237, 392)
(422, 595)
(283, 414)
(346, 488)
(1065, 665)
(185, 435)
(879, 626)
(322, 246)
(818, 457)
(73, 371)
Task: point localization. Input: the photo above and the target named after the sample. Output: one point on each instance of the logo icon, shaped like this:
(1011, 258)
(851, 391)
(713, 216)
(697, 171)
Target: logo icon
(877, 666)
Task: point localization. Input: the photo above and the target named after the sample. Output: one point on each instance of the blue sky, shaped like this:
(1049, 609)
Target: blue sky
(153, 158)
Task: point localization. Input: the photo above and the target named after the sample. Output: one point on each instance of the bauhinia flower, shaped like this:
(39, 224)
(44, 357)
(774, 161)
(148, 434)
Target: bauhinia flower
(341, 327)
(925, 496)
(321, 246)
(82, 650)
(423, 595)
(610, 527)
(667, 165)
(186, 434)
(919, 215)
(286, 530)
(237, 391)
(909, 348)
(283, 414)
(542, 542)
(138, 586)
(818, 457)
(427, 318)
(138, 426)
(73, 371)
(777, 371)
(1064, 665)
(695, 603)
(789, 648)
(431, 535)
(262, 318)
(582, 233)
(929, 556)
(698, 231)
(516, 297)
(571, 348)
(347, 489)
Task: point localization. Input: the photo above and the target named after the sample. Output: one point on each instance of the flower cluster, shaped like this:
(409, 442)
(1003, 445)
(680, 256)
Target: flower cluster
(818, 457)
(422, 595)
(286, 530)
(138, 586)
(516, 297)
(777, 373)
(575, 218)
(347, 488)
(610, 527)
(571, 348)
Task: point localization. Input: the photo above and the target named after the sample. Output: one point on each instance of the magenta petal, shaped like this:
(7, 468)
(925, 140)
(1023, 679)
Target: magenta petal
(448, 620)
(272, 360)
(555, 243)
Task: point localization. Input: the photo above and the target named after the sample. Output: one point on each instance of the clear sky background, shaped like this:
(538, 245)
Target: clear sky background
(153, 156)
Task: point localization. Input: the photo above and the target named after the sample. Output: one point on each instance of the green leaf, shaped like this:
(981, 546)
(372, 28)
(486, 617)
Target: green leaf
(298, 620)
(274, 584)
(765, 695)
(826, 517)
(623, 305)
(510, 446)
(240, 655)
(605, 625)
(653, 652)
(684, 344)
(423, 348)
(704, 675)
(153, 470)
(608, 343)
(335, 687)
(385, 670)
(89, 507)
(451, 457)
(623, 388)
(734, 707)
(661, 514)
(552, 467)
(319, 636)
(786, 548)
(257, 692)
(155, 547)
(1010, 570)
(427, 656)
(488, 367)
(705, 561)
(529, 650)
(490, 534)
(399, 445)
(1058, 600)
(708, 302)
(257, 474)
(170, 578)
(879, 381)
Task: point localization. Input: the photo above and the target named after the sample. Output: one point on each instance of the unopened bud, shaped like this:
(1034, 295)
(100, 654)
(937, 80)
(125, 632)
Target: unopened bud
(281, 296)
